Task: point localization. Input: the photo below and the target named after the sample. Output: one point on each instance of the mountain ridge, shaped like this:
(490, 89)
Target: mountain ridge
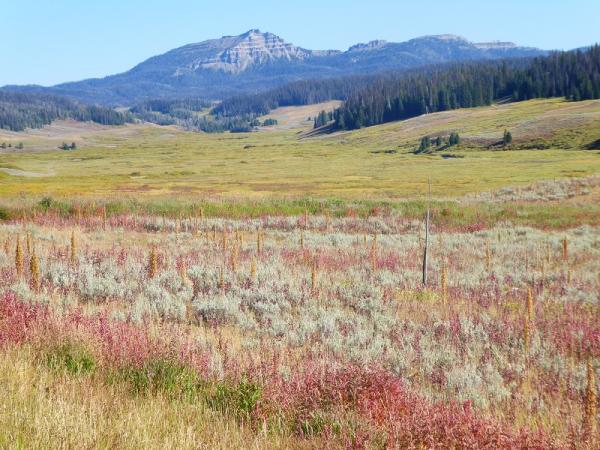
(255, 61)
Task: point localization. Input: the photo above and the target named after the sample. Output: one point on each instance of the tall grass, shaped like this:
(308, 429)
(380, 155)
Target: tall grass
(319, 346)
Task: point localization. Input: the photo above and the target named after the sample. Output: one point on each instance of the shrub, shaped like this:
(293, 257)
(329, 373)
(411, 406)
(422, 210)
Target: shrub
(239, 399)
(45, 203)
(218, 310)
(72, 358)
(4, 214)
(160, 376)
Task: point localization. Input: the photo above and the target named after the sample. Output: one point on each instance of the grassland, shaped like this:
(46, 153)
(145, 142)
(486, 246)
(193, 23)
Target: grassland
(166, 289)
(152, 162)
(48, 408)
(298, 332)
(298, 117)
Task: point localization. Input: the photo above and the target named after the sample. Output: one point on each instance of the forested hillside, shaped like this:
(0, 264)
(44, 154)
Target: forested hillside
(574, 75)
(376, 99)
(298, 93)
(19, 111)
(169, 112)
(190, 114)
(369, 100)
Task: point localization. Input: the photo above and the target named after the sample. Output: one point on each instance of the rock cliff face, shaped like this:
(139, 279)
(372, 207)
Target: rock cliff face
(253, 61)
(236, 54)
(373, 45)
(496, 45)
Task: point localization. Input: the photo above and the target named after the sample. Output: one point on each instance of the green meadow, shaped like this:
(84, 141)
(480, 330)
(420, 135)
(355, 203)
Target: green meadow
(288, 170)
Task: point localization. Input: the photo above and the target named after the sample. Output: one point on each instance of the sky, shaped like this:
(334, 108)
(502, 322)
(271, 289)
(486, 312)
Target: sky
(48, 42)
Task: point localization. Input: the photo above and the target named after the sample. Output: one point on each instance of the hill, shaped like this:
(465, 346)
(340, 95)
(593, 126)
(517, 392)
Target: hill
(574, 75)
(19, 111)
(387, 97)
(255, 61)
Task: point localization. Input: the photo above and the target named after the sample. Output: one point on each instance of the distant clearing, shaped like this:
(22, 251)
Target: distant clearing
(51, 136)
(291, 117)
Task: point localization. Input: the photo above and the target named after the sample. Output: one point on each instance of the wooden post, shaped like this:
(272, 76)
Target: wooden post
(426, 249)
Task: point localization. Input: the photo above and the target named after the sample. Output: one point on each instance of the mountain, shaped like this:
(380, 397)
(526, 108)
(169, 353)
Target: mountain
(235, 54)
(255, 61)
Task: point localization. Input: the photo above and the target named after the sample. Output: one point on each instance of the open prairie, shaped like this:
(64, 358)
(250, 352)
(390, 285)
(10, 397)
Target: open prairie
(376, 163)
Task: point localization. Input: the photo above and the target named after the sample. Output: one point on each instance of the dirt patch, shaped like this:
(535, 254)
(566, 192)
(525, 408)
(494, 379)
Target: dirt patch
(24, 173)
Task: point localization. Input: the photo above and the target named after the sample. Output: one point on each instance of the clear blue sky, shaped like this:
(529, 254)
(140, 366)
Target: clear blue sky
(47, 42)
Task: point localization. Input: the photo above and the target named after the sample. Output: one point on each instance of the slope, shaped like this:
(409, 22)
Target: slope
(374, 163)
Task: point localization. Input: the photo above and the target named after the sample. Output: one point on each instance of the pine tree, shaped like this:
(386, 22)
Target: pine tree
(425, 144)
(454, 139)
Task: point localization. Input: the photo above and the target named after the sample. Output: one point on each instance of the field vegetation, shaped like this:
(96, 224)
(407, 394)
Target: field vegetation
(167, 289)
(305, 331)
(377, 163)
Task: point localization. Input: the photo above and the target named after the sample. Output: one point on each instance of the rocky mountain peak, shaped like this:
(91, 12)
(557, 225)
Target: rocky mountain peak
(495, 45)
(444, 37)
(372, 45)
(235, 54)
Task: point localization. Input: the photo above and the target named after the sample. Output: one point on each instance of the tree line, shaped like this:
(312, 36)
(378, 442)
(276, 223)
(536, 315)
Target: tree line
(322, 119)
(439, 142)
(19, 111)
(574, 75)
(298, 93)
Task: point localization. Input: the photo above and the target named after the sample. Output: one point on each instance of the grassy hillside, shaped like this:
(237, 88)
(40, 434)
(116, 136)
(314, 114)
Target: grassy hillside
(295, 117)
(374, 163)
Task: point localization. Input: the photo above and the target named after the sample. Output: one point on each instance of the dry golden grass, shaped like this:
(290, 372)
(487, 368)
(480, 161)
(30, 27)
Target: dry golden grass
(84, 133)
(45, 409)
(294, 117)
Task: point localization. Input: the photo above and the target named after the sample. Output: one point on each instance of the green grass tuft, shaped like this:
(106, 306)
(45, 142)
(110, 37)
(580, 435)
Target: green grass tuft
(237, 399)
(72, 358)
(160, 376)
